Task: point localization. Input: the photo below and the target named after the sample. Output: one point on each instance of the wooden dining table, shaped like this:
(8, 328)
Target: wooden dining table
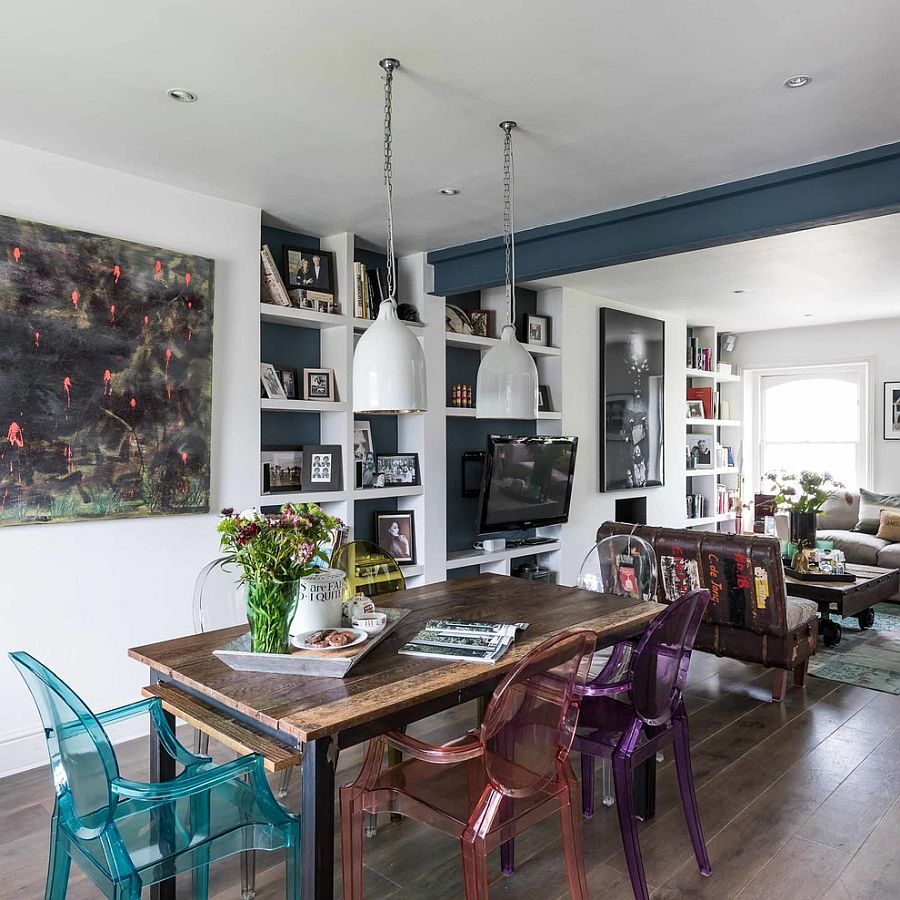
(386, 691)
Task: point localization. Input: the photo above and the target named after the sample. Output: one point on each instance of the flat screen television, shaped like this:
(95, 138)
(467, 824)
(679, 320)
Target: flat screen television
(527, 482)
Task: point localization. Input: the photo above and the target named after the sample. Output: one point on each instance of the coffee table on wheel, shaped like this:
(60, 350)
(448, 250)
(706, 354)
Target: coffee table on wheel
(872, 585)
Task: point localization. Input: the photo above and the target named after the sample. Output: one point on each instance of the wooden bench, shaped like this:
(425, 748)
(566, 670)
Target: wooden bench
(226, 730)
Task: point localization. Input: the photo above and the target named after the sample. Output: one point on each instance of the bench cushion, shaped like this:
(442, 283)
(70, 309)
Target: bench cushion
(799, 611)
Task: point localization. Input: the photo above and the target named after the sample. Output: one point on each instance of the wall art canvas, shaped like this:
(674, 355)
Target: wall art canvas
(105, 377)
(632, 397)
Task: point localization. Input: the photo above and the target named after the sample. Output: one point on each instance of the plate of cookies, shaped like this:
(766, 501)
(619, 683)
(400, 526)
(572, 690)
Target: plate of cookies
(329, 639)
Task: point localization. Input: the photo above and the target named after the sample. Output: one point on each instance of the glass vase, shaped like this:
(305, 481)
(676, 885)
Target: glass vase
(270, 608)
(803, 528)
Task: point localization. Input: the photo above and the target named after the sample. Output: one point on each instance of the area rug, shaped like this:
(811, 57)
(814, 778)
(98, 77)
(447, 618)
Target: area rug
(869, 658)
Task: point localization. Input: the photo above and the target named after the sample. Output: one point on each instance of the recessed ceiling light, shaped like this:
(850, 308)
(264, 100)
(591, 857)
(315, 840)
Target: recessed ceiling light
(807, 315)
(181, 95)
(739, 291)
(798, 81)
(449, 192)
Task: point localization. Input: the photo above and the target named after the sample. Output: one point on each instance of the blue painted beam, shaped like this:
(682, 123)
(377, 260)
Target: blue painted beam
(851, 187)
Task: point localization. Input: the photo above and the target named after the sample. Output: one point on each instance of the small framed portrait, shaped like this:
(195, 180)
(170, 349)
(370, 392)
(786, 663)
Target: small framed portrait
(545, 398)
(395, 532)
(271, 382)
(892, 410)
(282, 469)
(537, 330)
(482, 322)
(318, 384)
(288, 379)
(322, 466)
(695, 409)
(398, 468)
(309, 269)
(700, 450)
(363, 453)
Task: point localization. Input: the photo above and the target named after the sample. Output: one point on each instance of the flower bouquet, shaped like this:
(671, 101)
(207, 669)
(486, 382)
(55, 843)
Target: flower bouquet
(803, 496)
(274, 553)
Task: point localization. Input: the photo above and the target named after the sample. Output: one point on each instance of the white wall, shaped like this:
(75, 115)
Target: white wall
(77, 596)
(581, 412)
(876, 342)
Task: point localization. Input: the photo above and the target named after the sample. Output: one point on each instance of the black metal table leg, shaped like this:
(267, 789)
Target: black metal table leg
(317, 819)
(162, 768)
(645, 789)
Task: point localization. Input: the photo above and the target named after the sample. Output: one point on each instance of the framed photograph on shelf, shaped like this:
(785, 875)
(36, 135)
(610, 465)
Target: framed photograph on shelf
(700, 450)
(363, 454)
(322, 467)
(271, 383)
(318, 384)
(695, 409)
(537, 330)
(892, 410)
(482, 322)
(545, 399)
(288, 379)
(398, 468)
(395, 532)
(310, 269)
(282, 469)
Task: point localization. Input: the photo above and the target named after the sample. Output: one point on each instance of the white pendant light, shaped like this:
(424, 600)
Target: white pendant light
(507, 384)
(389, 364)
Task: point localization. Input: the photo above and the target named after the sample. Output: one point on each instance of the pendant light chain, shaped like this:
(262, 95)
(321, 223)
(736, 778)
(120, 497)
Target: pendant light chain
(389, 65)
(509, 232)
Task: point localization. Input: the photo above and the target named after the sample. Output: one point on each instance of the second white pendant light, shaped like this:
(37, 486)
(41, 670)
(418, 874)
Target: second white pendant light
(507, 384)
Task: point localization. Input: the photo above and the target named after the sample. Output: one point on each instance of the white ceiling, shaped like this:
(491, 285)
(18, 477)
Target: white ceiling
(837, 273)
(619, 102)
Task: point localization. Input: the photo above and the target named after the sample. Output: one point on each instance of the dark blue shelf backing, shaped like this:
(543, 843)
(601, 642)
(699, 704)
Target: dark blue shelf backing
(289, 347)
(462, 512)
(453, 574)
(289, 429)
(364, 517)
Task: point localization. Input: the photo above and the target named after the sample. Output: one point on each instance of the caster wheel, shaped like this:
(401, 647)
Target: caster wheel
(866, 618)
(831, 633)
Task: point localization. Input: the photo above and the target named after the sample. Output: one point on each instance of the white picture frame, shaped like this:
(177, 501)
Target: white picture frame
(271, 383)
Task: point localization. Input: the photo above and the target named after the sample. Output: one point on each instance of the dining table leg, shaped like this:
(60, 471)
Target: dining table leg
(162, 768)
(317, 819)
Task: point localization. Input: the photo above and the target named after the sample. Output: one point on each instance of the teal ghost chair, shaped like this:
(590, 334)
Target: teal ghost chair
(126, 835)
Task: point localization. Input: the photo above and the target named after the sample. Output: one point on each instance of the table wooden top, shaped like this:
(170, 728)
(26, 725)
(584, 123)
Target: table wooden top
(308, 708)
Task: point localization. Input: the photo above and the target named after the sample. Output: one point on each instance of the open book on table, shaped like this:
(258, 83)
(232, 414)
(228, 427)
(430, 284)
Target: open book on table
(462, 641)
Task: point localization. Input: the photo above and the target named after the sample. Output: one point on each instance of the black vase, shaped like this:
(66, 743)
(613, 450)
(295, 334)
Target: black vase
(803, 529)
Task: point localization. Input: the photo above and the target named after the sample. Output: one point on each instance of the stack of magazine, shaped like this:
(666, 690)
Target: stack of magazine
(462, 641)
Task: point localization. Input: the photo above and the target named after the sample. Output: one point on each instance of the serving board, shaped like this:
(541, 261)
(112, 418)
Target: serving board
(322, 663)
(847, 578)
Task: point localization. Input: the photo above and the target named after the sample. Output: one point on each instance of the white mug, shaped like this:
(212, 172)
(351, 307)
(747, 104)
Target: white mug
(492, 545)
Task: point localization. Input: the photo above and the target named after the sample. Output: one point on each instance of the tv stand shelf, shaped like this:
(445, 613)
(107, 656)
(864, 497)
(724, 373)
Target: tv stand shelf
(459, 559)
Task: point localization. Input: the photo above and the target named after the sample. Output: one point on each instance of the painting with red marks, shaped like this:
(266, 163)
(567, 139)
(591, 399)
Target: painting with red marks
(105, 383)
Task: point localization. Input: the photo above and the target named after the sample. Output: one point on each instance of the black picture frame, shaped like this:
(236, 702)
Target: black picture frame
(323, 468)
(545, 398)
(290, 457)
(288, 379)
(891, 411)
(406, 519)
(292, 259)
(399, 469)
(632, 401)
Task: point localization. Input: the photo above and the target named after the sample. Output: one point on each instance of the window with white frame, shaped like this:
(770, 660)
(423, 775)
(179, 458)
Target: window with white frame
(813, 418)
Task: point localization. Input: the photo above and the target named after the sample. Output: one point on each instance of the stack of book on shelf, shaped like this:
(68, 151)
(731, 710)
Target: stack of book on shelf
(698, 357)
(723, 503)
(697, 506)
(724, 457)
(369, 290)
(462, 641)
(271, 288)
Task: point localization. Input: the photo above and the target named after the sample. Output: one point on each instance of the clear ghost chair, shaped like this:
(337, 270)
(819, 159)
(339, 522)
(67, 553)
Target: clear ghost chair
(624, 565)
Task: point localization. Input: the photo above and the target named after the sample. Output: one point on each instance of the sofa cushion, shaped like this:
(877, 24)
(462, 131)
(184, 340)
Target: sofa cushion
(870, 506)
(859, 548)
(799, 611)
(841, 512)
(889, 557)
(889, 529)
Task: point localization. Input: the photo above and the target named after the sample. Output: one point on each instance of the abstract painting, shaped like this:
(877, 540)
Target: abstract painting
(105, 377)
(632, 366)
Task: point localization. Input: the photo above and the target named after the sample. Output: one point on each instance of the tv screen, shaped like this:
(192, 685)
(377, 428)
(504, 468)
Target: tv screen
(527, 482)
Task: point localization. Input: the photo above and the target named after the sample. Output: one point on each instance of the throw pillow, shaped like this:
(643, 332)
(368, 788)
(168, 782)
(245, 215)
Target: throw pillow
(890, 526)
(870, 507)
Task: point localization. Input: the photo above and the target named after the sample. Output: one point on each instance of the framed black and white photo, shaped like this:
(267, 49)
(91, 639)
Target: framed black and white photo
(309, 269)
(482, 322)
(632, 397)
(288, 379)
(282, 469)
(395, 532)
(695, 409)
(271, 383)
(537, 330)
(318, 384)
(545, 399)
(700, 450)
(398, 468)
(363, 453)
(322, 467)
(892, 410)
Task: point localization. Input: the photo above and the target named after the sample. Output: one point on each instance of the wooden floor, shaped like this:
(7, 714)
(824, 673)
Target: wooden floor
(798, 800)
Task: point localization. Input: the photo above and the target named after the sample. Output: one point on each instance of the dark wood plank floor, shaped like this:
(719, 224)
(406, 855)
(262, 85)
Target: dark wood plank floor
(798, 800)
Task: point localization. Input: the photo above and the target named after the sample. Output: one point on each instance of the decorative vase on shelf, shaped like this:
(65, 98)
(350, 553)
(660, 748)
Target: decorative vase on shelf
(803, 528)
(270, 610)
(320, 597)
